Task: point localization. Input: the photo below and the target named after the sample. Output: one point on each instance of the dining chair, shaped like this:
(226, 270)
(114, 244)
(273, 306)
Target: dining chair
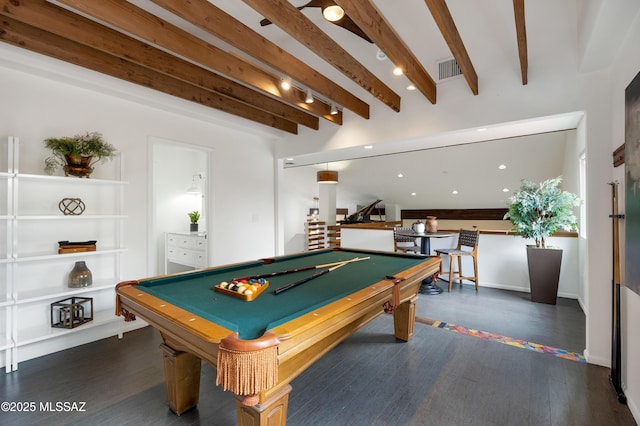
(404, 244)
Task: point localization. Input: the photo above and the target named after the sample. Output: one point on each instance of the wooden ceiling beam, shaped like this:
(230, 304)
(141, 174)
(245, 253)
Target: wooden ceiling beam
(442, 16)
(59, 21)
(297, 25)
(132, 19)
(42, 42)
(212, 19)
(367, 16)
(521, 34)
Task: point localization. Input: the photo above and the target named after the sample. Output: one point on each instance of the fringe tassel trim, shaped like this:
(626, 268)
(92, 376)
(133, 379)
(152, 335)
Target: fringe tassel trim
(247, 373)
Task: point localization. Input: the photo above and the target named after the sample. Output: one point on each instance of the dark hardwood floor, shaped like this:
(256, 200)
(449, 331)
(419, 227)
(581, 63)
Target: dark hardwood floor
(439, 378)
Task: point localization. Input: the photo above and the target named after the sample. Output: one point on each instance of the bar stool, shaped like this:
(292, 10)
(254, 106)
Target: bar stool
(467, 246)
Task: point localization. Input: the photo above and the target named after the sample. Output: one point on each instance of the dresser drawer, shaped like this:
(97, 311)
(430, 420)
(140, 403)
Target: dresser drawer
(184, 241)
(187, 257)
(189, 250)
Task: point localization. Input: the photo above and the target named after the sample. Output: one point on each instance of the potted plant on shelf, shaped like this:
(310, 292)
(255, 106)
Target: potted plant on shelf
(76, 155)
(194, 216)
(536, 212)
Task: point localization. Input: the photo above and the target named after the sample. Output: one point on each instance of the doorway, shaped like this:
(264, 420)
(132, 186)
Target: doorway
(179, 185)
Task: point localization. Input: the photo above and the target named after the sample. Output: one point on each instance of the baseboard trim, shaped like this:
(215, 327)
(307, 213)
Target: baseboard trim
(522, 290)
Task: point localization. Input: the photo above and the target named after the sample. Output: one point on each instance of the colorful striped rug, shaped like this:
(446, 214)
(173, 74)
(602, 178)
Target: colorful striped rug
(518, 343)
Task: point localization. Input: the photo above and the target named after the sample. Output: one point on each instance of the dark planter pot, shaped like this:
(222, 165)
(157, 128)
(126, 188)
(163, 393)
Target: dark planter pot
(193, 227)
(544, 273)
(78, 166)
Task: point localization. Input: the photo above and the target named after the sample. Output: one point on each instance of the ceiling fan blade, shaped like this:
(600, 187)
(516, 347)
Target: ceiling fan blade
(349, 25)
(264, 22)
(345, 22)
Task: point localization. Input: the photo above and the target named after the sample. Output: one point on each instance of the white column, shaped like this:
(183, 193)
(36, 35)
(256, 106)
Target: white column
(327, 192)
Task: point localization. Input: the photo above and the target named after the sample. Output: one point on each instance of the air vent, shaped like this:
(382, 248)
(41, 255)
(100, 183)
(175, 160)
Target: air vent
(448, 68)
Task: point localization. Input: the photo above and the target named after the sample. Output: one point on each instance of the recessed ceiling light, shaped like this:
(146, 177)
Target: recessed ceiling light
(400, 175)
(397, 71)
(285, 84)
(411, 87)
(454, 192)
(413, 194)
(368, 147)
(505, 189)
(482, 129)
(290, 159)
(502, 167)
(380, 55)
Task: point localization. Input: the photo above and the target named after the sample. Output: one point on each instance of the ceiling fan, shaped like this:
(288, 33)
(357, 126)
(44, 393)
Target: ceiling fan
(334, 14)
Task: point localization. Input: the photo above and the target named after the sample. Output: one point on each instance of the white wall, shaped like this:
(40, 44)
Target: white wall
(43, 98)
(38, 107)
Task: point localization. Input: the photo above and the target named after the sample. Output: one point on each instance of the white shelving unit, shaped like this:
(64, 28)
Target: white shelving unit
(36, 275)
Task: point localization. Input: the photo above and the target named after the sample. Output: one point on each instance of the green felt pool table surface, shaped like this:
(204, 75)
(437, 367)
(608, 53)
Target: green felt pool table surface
(194, 292)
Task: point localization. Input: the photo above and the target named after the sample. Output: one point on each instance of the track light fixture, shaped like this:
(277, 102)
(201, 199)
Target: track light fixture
(309, 98)
(334, 109)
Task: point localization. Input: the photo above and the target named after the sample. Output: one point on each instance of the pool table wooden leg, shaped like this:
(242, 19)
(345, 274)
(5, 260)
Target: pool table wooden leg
(404, 318)
(182, 379)
(273, 412)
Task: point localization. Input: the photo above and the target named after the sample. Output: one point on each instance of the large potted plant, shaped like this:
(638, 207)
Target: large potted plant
(536, 211)
(76, 155)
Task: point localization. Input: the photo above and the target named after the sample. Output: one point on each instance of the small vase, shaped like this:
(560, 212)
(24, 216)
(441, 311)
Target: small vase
(80, 275)
(432, 224)
(193, 227)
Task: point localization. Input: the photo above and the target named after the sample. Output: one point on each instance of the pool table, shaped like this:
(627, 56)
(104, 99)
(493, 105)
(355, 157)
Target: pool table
(258, 347)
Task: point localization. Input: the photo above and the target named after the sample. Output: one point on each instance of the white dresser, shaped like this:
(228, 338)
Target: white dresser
(185, 249)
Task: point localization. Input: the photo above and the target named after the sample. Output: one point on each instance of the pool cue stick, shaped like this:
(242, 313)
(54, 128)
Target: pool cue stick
(304, 280)
(616, 352)
(304, 268)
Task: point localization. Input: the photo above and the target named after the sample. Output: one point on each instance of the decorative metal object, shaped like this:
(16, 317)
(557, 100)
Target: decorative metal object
(71, 206)
(71, 312)
(80, 275)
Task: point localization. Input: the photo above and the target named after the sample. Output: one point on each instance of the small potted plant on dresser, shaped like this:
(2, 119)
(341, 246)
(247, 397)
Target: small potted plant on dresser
(76, 155)
(536, 211)
(194, 216)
